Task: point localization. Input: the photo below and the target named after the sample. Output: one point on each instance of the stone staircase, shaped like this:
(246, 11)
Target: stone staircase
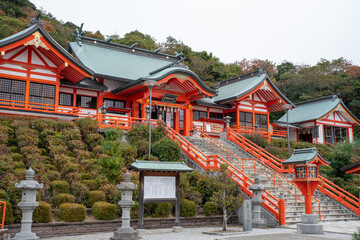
(330, 209)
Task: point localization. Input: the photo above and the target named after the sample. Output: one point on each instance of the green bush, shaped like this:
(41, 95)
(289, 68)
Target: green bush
(19, 164)
(53, 175)
(63, 198)
(95, 196)
(103, 211)
(17, 157)
(163, 209)
(187, 208)
(134, 212)
(59, 187)
(72, 212)
(91, 184)
(86, 176)
(20, 172)
(87, 126)
(113, 134)
(3, 194)
(93, 140)
(42, 213)
(129, 154)
(356, 235)
(12, 142)
(210, 208)
(9, 217)
(166, 150)
(258, 140)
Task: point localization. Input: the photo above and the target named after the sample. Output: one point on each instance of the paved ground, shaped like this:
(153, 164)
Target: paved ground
(333, 230)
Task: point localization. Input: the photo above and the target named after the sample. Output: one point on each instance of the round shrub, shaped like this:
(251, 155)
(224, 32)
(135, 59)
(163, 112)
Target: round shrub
(53, 175)
(86, 176)
(91, 184)
(17, 157)
(42, 213)
(163, 209)
(87, 126)
(2, 194)
(95, 196)
(103, 210)
(166, 150)
(134, 212)
(63, 198)
(9, 217)
(12, 142)
(14, 149)
(20, 172)
(72, 212)
(210, 208)
(59, 187)
(187, 208)
(19, 164)
(113, 134)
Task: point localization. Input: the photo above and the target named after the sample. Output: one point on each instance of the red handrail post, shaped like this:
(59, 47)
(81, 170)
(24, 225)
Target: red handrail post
(3, 215)
(282, 218)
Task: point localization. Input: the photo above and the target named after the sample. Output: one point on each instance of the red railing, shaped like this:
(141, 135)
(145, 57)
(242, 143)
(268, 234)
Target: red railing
(3, 210)
(326, 187)
(221, 148)
(332, 190)
(262, 131)
(123, 122)
(262, 155)
(40, 107)
(207, 162)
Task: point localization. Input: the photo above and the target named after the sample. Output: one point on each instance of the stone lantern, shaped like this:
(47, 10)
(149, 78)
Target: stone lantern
(227, 120)
(28, 203)
(306, 162)
(127, 188)
(257, 189)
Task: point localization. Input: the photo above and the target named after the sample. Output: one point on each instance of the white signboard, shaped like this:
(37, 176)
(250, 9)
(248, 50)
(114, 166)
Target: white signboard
(158, 187)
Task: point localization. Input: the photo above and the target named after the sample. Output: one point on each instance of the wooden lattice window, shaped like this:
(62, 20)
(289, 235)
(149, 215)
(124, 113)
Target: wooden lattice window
(12, 90)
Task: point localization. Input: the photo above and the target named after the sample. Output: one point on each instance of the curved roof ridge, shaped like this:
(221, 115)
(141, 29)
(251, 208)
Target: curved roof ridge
(335, 96)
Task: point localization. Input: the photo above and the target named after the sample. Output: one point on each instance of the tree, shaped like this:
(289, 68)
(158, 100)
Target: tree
(144, 41)
(227, 197)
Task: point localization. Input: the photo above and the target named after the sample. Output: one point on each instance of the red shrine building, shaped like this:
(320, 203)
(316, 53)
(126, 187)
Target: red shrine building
(107, 82)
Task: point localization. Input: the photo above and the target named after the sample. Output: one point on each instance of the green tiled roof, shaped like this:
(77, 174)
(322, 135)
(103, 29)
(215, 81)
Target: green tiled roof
(239, 88)
(160, 166)
(20, 34)
(311, 110)
(117, 62)
(303, 156)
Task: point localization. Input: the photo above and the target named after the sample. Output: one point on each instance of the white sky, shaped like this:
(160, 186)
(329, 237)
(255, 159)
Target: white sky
(301, 31)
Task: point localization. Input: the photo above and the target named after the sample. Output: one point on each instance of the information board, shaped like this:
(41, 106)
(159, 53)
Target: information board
(169, 98)
(159, 187)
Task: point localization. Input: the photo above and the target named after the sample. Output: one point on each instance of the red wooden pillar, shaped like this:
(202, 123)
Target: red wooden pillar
(74, 98)
(187, 120)
(237, 115)
(57, 88)
(177, 120)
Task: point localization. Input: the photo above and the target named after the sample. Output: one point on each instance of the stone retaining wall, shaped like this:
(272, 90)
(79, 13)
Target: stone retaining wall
(4, 234)
(95, 226)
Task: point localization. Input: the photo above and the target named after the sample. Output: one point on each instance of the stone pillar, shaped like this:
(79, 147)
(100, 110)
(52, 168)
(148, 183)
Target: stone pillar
(257, 189)
(126, 232)
(28, 203)
(246, 215)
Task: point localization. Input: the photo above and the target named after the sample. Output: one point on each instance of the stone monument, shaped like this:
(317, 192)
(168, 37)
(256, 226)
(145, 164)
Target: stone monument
(246, 215)
(28, 203)
(126, 232)
(257, 189)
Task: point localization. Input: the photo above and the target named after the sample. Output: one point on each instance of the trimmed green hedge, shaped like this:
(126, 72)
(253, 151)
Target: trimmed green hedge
(91, 184)
(42, 213)
(95, 196)
(63, 198)
(2, 194)
(103, 211)
(210, 208)
(59, 187)
(72, 212)
(187, 208)
(9, 216)
(163, 209)
(53, 175)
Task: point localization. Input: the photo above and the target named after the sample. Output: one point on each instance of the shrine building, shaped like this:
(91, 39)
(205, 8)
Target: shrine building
(108, 82)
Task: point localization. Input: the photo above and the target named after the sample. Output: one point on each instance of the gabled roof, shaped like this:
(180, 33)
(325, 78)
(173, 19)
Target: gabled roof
(304, 156)
(209, 102)
(351, 168)
(159, 75)
(243, 85)
(315, 109)
(160, 166)
(37, 27)
(116, 61)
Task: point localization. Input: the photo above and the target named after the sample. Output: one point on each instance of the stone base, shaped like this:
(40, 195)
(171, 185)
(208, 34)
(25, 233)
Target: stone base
(4, 234)
(125, 234)
(309, 225)
(25, 236)
(259, 224)
(177, 229)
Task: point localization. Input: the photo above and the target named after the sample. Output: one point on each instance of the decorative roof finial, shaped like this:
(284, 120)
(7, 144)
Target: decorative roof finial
(35, 20)
(79, 33)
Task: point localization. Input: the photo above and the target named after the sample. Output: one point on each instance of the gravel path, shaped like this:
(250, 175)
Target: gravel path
(333, 230)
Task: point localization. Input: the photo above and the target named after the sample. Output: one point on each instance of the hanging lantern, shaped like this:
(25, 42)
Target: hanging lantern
(189, 107)
(147, 101)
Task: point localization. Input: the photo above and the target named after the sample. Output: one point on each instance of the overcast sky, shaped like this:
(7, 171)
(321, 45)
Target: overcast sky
(301, 31)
